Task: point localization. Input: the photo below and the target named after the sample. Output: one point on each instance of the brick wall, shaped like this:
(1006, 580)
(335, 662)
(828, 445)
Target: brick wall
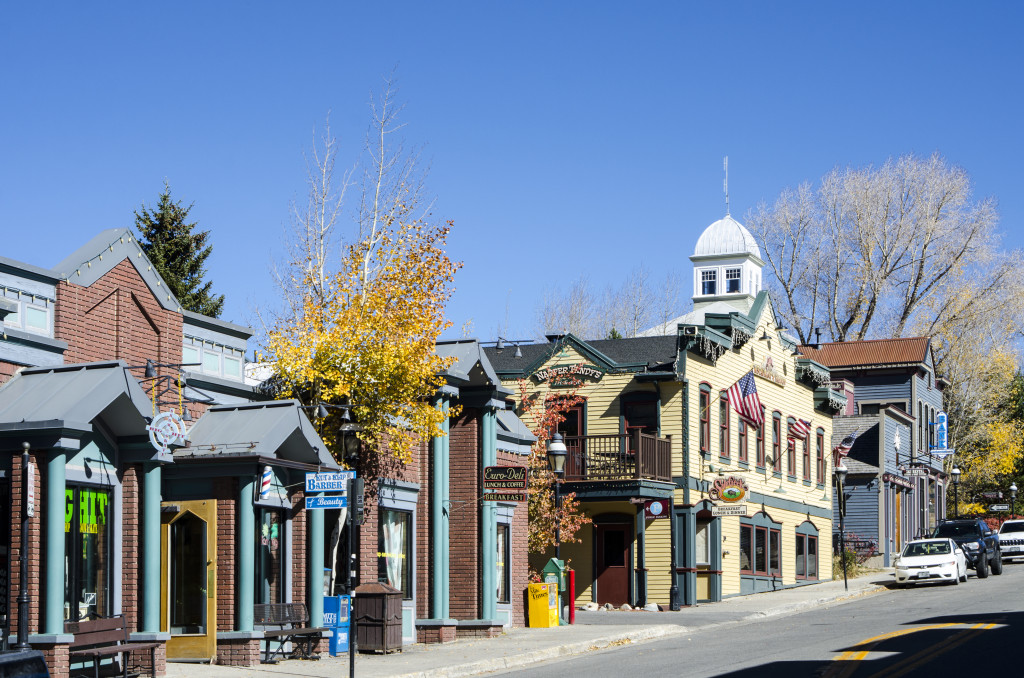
(7, 370)
(226, 493)
(299, 548)
(519, 572)
(131, 552)
(240, 652)
(464, 527)
(36, 552)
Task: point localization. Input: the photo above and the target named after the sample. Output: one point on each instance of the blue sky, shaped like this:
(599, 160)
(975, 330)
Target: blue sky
(561, 137)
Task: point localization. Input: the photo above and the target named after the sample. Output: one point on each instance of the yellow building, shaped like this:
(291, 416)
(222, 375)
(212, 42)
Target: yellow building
(690, 501)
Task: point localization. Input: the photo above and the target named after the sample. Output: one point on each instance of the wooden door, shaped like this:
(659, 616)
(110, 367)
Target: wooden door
(611, 563)
(188, 578)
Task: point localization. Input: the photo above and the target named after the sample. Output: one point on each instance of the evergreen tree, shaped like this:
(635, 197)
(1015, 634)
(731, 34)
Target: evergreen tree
(178, 253)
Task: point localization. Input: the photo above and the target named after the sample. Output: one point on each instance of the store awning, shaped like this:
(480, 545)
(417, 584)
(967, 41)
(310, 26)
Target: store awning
(277, 429)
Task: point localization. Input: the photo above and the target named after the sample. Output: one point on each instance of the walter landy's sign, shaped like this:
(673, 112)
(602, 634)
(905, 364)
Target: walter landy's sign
(562, 375)
(768, 371)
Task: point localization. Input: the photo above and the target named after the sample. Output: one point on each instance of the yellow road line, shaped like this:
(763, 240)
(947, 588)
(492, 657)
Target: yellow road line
(850, 658)
(931, 653)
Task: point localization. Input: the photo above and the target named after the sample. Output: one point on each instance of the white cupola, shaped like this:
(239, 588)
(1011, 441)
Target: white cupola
(726, 266)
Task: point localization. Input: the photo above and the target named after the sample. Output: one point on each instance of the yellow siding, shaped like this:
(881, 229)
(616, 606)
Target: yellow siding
(658, 535)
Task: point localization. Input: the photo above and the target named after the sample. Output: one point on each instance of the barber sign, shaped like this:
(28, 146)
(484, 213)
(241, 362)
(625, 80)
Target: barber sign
(265, 481)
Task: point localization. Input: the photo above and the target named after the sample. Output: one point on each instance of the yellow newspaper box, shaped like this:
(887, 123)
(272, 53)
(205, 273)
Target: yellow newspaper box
(543, 608)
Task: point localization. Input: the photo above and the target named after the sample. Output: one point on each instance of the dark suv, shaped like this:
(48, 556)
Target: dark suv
(979, 543)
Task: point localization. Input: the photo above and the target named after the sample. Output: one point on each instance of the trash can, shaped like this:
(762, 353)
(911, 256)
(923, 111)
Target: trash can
(542, 606)
(336, 616)
(377, 613)
(554, 573)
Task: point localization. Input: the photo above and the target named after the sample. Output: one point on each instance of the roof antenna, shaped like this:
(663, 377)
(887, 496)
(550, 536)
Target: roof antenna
(725, 184)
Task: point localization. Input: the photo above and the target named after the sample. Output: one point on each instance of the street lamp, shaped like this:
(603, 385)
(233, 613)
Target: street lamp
(840, 473)
(1013, 499)
(956, 491)
(556, 462)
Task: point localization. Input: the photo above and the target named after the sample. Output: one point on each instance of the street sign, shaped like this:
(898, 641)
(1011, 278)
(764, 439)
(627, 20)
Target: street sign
(332, 501)
(729, 510)
(996, 508)
(941, 430)
(328, 482)
(942, 453)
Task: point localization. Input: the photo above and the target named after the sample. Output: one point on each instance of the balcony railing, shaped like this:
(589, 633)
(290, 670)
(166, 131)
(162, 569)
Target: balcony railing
(622, 456)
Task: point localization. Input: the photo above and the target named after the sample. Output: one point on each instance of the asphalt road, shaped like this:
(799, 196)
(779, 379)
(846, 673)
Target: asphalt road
(938, 631)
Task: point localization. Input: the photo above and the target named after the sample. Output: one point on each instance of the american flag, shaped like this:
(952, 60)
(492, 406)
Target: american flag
(743, 396)
(843, 448)
(800, 428)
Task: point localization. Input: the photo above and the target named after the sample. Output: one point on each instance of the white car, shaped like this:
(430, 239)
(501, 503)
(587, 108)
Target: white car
(1011, 539)
(931, 560)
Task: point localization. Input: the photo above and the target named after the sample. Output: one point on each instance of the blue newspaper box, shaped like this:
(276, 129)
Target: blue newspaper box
(336, 616)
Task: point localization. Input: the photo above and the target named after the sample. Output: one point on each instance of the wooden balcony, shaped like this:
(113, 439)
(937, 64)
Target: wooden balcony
(622, 456)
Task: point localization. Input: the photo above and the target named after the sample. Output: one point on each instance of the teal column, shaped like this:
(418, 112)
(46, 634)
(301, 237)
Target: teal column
(439, 502)
(55, 505)
(489, 521)
(641, 557)
(245, 590)
(690, 556)
(151, 548)
(315, 565)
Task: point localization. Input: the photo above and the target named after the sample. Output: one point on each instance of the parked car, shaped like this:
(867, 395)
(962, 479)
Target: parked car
(1011, 539)
(931, 560)
(979, 543)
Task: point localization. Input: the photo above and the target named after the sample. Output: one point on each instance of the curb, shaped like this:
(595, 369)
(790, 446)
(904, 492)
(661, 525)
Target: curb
(568, 650)
(818, 602)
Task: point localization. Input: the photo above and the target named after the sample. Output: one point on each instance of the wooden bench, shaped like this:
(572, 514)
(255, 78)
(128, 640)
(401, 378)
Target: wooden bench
(105, 637)
(289, 622)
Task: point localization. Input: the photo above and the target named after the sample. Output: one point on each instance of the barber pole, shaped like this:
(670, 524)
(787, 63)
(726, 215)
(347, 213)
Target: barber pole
(265, 482)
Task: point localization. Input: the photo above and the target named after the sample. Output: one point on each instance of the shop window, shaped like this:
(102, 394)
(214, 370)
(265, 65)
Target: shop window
(211, 362)
(394, 550)
(232, 368)
(269, 556)
(742, 430)
(87, 553)
(723, 425)
(703, 542)
(732, 280)
(504, 564)
(190, 355)
(760, 546)
(760, 442)
(705, 419)
(707, 281)
(806, 551)
(820, 443)
(777, 442)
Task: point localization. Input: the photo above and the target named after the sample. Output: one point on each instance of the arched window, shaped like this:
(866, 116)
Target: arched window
(760, 441)
(704, 413)
(723, 425)
(807, 456)
(806, 551)
(743, 439)
(760, 546)
(790, 448)
(820, 440)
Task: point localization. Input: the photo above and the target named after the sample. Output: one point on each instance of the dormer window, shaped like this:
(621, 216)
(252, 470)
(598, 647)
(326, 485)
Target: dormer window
(732, 280)
(708, 278)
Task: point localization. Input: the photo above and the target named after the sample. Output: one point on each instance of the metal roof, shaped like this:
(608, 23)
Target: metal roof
(632, 352)
(73, 396)
(272, 429)
(870, 352)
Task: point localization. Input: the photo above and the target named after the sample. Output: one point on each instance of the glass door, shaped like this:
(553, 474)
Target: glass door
(188, 582)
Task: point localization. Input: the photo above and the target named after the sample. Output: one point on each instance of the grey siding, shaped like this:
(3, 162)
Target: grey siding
(861, 510)
(887, 387)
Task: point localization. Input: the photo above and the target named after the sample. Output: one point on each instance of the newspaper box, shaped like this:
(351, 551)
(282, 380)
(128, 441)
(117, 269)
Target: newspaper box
(336, 616)
(543, 605)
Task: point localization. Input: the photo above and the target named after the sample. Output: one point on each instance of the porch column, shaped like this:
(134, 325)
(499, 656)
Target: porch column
(151, 548)
(641, 557)
(439, 501)
(688, 538)
(489, 521)
(245, 554)
(315, 565)
(55, 505)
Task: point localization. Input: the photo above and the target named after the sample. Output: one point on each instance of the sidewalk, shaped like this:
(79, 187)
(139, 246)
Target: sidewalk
(521, 647)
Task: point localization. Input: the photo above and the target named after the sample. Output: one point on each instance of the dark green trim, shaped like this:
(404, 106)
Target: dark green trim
(619, 490)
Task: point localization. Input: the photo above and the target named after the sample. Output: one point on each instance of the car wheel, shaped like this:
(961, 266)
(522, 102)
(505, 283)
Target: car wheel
(982, 568)
(955, 581)
(964, 577)
(997, 564)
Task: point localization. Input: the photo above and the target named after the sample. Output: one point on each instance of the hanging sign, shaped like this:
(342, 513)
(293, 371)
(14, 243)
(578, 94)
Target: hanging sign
(768, 371)
(328, 482)
(730, 490)
(30, 498)
(167, 430)
(331, 501)
(505, 496)
(505, 478)
(655, 509)
(729, 510)
(941, 430)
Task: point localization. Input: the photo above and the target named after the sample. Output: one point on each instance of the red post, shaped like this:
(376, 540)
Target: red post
(571, 576)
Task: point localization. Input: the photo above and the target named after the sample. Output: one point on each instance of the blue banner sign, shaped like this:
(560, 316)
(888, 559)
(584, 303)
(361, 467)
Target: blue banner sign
(331, 501)
(328, 482)
(941, 431)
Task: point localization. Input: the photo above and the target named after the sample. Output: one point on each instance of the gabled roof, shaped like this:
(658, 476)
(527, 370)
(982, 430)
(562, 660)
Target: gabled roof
(272, 429)
(73, 396)
(470, 362)
(871, 352)
(635, 354)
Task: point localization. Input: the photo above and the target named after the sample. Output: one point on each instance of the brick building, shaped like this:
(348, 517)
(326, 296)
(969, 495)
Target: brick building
(181, 540)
